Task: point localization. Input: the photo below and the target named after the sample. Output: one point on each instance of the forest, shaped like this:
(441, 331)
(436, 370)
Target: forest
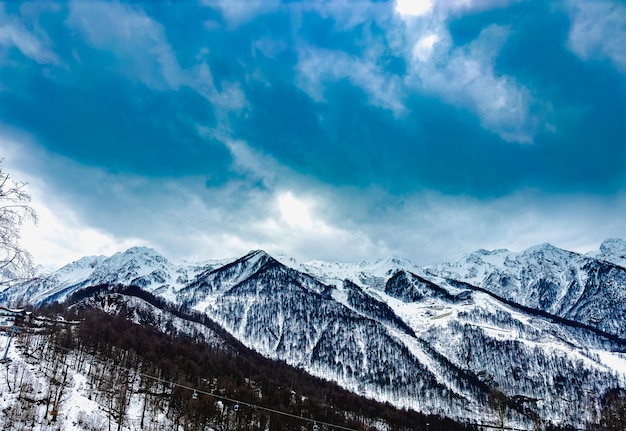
(183, 382)
(169, 380)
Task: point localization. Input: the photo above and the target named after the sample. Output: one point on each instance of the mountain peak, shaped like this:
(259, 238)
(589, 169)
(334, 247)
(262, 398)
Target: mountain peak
(546, 246)
(549, 252)
(611, 250)
(613, 245)
(484, 252)
(257, 253)
(141, 250)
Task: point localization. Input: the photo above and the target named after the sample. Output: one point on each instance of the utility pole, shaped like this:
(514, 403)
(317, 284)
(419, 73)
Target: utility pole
(6, 350)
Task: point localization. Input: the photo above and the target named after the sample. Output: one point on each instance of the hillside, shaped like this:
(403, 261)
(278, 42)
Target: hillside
(442, 341)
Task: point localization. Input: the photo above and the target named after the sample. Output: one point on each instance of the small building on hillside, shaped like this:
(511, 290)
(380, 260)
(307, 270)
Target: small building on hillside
(9, 317)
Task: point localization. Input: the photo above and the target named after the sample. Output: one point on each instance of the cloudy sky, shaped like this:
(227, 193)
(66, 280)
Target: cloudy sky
(337, 130)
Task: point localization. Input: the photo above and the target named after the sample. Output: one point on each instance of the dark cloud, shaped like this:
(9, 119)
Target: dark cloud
(109, 122)
(221, 112)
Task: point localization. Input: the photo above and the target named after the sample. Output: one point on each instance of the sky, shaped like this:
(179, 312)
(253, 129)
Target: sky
(333, 130)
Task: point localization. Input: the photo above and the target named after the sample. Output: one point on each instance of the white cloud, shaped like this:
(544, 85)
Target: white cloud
(237, 12)
(444, 8)
(598, 31)
(13, 33)
(423, 48)
(61, 237)
(295, 212)
(137, 40)
(430, 228)
(144, 53)
(414, 7)
(230, 98)
(299, 224)
(316, 67)
(185, 220)
(465, 76)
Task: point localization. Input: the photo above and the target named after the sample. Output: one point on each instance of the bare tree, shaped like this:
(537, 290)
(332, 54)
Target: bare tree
(498, 402)
(15, 261)
(612, 415)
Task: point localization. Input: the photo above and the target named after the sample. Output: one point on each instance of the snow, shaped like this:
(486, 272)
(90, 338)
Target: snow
(75, 405)
(79, 408)
(27, 384)
(611, 250)
(364, 274)
(142, 266)
(436, 320)
(615, 361)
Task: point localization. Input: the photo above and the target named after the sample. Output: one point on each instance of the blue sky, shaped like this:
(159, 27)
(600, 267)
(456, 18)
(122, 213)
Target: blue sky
(340, 130)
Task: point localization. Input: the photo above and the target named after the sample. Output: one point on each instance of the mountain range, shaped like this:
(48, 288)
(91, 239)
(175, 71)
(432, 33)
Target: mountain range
(545, 328)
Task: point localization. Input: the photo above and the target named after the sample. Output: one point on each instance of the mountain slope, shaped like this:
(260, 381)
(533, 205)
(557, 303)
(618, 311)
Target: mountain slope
(138, 266)
(111, 366)
(567, 284)
(287, 315)
(528, 326)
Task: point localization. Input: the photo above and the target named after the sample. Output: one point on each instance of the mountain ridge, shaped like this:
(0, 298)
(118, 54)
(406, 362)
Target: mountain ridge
(437, 340)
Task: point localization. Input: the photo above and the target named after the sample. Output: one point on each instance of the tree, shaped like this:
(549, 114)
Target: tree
(15, 261)
(498, 402)
(612, 411)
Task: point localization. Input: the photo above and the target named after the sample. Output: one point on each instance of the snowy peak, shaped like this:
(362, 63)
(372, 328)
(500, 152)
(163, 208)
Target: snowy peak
(82, 263)
(131, 263)
(387, 329)
(143, 267)
(480, 265)
(611, 250)
(224, 278)
(613, 245)
(370, 274)
(138, 266)
(474, 267)
(583, 288)
(409, 287)
(549, 254)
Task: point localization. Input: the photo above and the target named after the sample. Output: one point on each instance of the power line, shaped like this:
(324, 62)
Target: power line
(211, 394)
(259, 407)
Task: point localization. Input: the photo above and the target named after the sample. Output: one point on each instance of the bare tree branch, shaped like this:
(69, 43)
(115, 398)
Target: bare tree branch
(15, 261)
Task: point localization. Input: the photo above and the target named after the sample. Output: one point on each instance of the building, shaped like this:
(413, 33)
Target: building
(9, 317)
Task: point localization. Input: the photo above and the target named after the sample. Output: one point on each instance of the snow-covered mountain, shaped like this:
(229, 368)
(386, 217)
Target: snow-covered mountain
(612, 250)
(365, 274)
(137, 266)
(589, 289)
(544, 327)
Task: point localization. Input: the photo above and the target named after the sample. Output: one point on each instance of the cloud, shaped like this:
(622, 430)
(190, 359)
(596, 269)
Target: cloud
(61, 234)
(429, 227)
(444, 8)
(465, 76)
(414, 7)
(317, 67)
(88, 211)
(230, 98)
(13, 33)
(143, 52)
(598, 31)
(138, 41)
(239, 12)
(423, 48)
(331, 130)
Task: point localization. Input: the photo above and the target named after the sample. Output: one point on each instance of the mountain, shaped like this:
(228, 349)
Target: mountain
(541, 329)
(582, 288)
(137, 266)
(120, 355)
(611, 250)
